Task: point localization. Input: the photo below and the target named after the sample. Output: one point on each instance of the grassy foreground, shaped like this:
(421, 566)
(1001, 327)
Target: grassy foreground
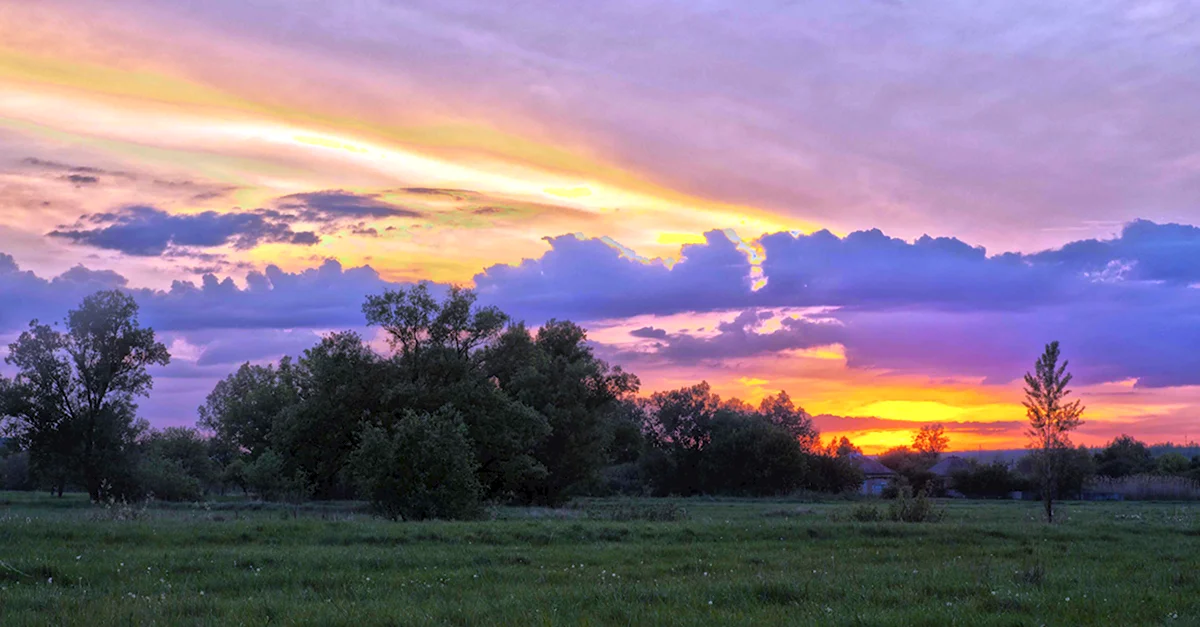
(727, 562)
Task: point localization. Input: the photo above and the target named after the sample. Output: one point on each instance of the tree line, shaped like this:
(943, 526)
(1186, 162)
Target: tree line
(465, 407)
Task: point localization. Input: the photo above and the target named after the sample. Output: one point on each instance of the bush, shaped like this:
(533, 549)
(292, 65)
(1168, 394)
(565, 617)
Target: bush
(909, 508)
(167, 480)
(1148, 487)
(993, 480)
(15, 472)
(623, 479)
(895, 486)
(423, 467)
(866, 513)
(633, 510)
(268, 477)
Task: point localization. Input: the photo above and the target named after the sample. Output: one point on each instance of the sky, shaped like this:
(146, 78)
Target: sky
(885, 208)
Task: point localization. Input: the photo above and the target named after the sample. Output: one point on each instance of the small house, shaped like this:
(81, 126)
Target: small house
(876, 476)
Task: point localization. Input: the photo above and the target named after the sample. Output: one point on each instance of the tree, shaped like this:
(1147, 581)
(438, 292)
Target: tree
(270, 478)
(780, 411)
(242, 408)
(416, 322)
(175, 464)
(1124, 456)
(989, 481)
(420, 468)
(679, 423)
(913, 466)
(1172, 463)
(931, 441)
(339, 386)
(73, 396)
(438, 362)
(1051, 420)
(558, 376)
(751, 455)
(186, 447)
(842, 448)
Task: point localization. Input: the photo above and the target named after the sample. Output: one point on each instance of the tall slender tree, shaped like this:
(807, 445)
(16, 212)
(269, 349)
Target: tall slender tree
(1051, 419)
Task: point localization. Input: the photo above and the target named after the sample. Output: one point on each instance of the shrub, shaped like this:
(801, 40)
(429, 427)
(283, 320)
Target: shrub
(895, 486)
(624, 479)
(1148, 487)
(422, 467)
(866, 513)
(832, 474)
(15, 472)
(633, 510)
(269, 478)
(994, 480)
(167, 480)
(909, 508)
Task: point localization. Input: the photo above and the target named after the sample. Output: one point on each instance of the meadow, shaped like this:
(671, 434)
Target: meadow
(597, 562)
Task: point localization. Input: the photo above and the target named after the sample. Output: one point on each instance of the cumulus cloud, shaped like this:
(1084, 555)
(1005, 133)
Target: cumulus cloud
(590, 279)
(934, 306)
(147, 231)
(1144, 251)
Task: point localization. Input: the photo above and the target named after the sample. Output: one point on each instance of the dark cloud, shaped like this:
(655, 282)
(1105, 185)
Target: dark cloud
(591, 279)
(649, 333)
(456, 194)
(147, 231)
(330, 205)
(80, 180)
(1144, 251)
(741, 338)
(73, 170)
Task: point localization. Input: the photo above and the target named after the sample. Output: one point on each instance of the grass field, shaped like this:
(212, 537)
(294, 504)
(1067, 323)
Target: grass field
(730, 562)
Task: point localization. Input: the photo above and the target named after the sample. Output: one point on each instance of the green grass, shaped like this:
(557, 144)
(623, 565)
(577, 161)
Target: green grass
(730, 562)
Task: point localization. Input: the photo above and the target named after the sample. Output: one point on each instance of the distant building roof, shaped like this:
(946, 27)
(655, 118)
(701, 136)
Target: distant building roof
(870, 466)
(949, 465)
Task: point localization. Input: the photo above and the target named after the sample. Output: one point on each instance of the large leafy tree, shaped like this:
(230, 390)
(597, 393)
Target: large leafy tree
(782, 412)
(242, 408)
(1051, 419)
(438, 362)
(750, 454)
(557, 375)
(679, 425)
(339, 387)
(1124, 456)
(72, 400)
(419, 326)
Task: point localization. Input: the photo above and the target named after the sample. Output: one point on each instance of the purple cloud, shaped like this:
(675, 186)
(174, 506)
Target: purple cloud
(933, 306)
(147, 232)
(338, 204)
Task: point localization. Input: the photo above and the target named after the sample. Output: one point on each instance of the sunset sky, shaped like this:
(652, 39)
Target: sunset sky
(884, 207)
